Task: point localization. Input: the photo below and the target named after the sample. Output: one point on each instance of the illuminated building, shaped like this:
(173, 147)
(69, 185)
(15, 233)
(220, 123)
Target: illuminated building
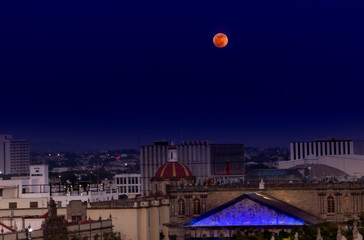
(252, 210)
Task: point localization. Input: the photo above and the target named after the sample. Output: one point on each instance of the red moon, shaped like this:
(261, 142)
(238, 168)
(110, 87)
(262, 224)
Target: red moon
(220, 40)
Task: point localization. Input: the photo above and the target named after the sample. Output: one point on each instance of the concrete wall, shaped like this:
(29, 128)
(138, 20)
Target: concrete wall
(144, 221)
(30, 212)
(23, 203)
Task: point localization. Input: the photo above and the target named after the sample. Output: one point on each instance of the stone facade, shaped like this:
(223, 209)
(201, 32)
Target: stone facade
(331, 202)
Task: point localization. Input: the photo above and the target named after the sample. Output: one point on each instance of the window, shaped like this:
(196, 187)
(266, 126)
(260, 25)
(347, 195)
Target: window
(117, 180)
(33, 204)
(59, 204)
(136, 189)
(76, 218)
(181, 207)
(1, 192)
(330, 204)
(13, 205)
(136, 180)
(196, 206)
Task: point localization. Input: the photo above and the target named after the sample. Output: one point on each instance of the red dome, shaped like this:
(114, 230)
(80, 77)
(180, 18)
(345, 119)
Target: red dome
(173, 170)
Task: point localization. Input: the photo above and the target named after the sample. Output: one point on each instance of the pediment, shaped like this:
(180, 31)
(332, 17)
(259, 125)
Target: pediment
(245, 212)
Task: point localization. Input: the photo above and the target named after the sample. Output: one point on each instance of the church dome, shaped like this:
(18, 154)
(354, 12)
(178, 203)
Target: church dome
(173, 170)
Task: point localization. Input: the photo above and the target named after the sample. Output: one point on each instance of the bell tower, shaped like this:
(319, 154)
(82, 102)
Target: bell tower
(172, 153)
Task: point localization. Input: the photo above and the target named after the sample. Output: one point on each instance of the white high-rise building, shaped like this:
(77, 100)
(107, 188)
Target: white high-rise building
(14, 155)
(326, 147)
(341, 153)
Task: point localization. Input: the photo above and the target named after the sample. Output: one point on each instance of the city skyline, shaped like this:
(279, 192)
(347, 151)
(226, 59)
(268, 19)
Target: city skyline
(122, 75)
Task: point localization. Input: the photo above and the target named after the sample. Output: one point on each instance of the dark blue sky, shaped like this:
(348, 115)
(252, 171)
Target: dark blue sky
(115, 74)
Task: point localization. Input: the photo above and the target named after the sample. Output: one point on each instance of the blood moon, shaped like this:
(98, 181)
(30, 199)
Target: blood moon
(220, 40)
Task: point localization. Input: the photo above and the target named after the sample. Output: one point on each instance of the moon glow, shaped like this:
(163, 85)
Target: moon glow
(220, 40)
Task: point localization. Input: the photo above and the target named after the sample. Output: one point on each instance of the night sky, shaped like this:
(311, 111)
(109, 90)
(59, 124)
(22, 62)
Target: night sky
(119, 74)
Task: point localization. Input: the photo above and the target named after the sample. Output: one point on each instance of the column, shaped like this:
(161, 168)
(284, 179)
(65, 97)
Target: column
(319, 149)
(338, 197)
(314, 148)
(351, 145)
(309, 148)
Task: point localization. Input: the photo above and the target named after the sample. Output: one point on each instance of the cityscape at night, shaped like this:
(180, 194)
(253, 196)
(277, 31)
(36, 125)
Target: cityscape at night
(168, 120)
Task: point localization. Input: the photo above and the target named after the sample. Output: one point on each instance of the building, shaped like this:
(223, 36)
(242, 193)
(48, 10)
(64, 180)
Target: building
(139, 219)
(343, 154)
(326, 147)
(52, 225)
(128, 184)
(34, 191)
(14, 155)
(249, 210)
(206, 160)
(172, 173)
(180, 208)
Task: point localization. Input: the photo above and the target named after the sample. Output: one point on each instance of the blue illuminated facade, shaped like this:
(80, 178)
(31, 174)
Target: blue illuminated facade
(247, 213)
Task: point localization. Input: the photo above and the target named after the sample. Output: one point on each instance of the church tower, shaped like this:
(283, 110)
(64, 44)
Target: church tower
(171, 173)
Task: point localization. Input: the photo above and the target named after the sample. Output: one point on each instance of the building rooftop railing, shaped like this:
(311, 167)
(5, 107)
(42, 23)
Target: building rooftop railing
(268, 186)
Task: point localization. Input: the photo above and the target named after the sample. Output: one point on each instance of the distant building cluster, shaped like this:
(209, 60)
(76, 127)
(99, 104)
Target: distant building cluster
(208, 161)
(194, 190)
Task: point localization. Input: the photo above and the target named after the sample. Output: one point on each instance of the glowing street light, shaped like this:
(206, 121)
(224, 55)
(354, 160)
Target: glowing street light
(28, 232)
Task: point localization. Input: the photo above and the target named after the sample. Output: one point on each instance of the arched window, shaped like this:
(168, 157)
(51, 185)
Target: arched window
(181, 207)
(196, 206)
(330, 204)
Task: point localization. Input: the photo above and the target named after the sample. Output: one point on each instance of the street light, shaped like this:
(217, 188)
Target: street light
(28, 233)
